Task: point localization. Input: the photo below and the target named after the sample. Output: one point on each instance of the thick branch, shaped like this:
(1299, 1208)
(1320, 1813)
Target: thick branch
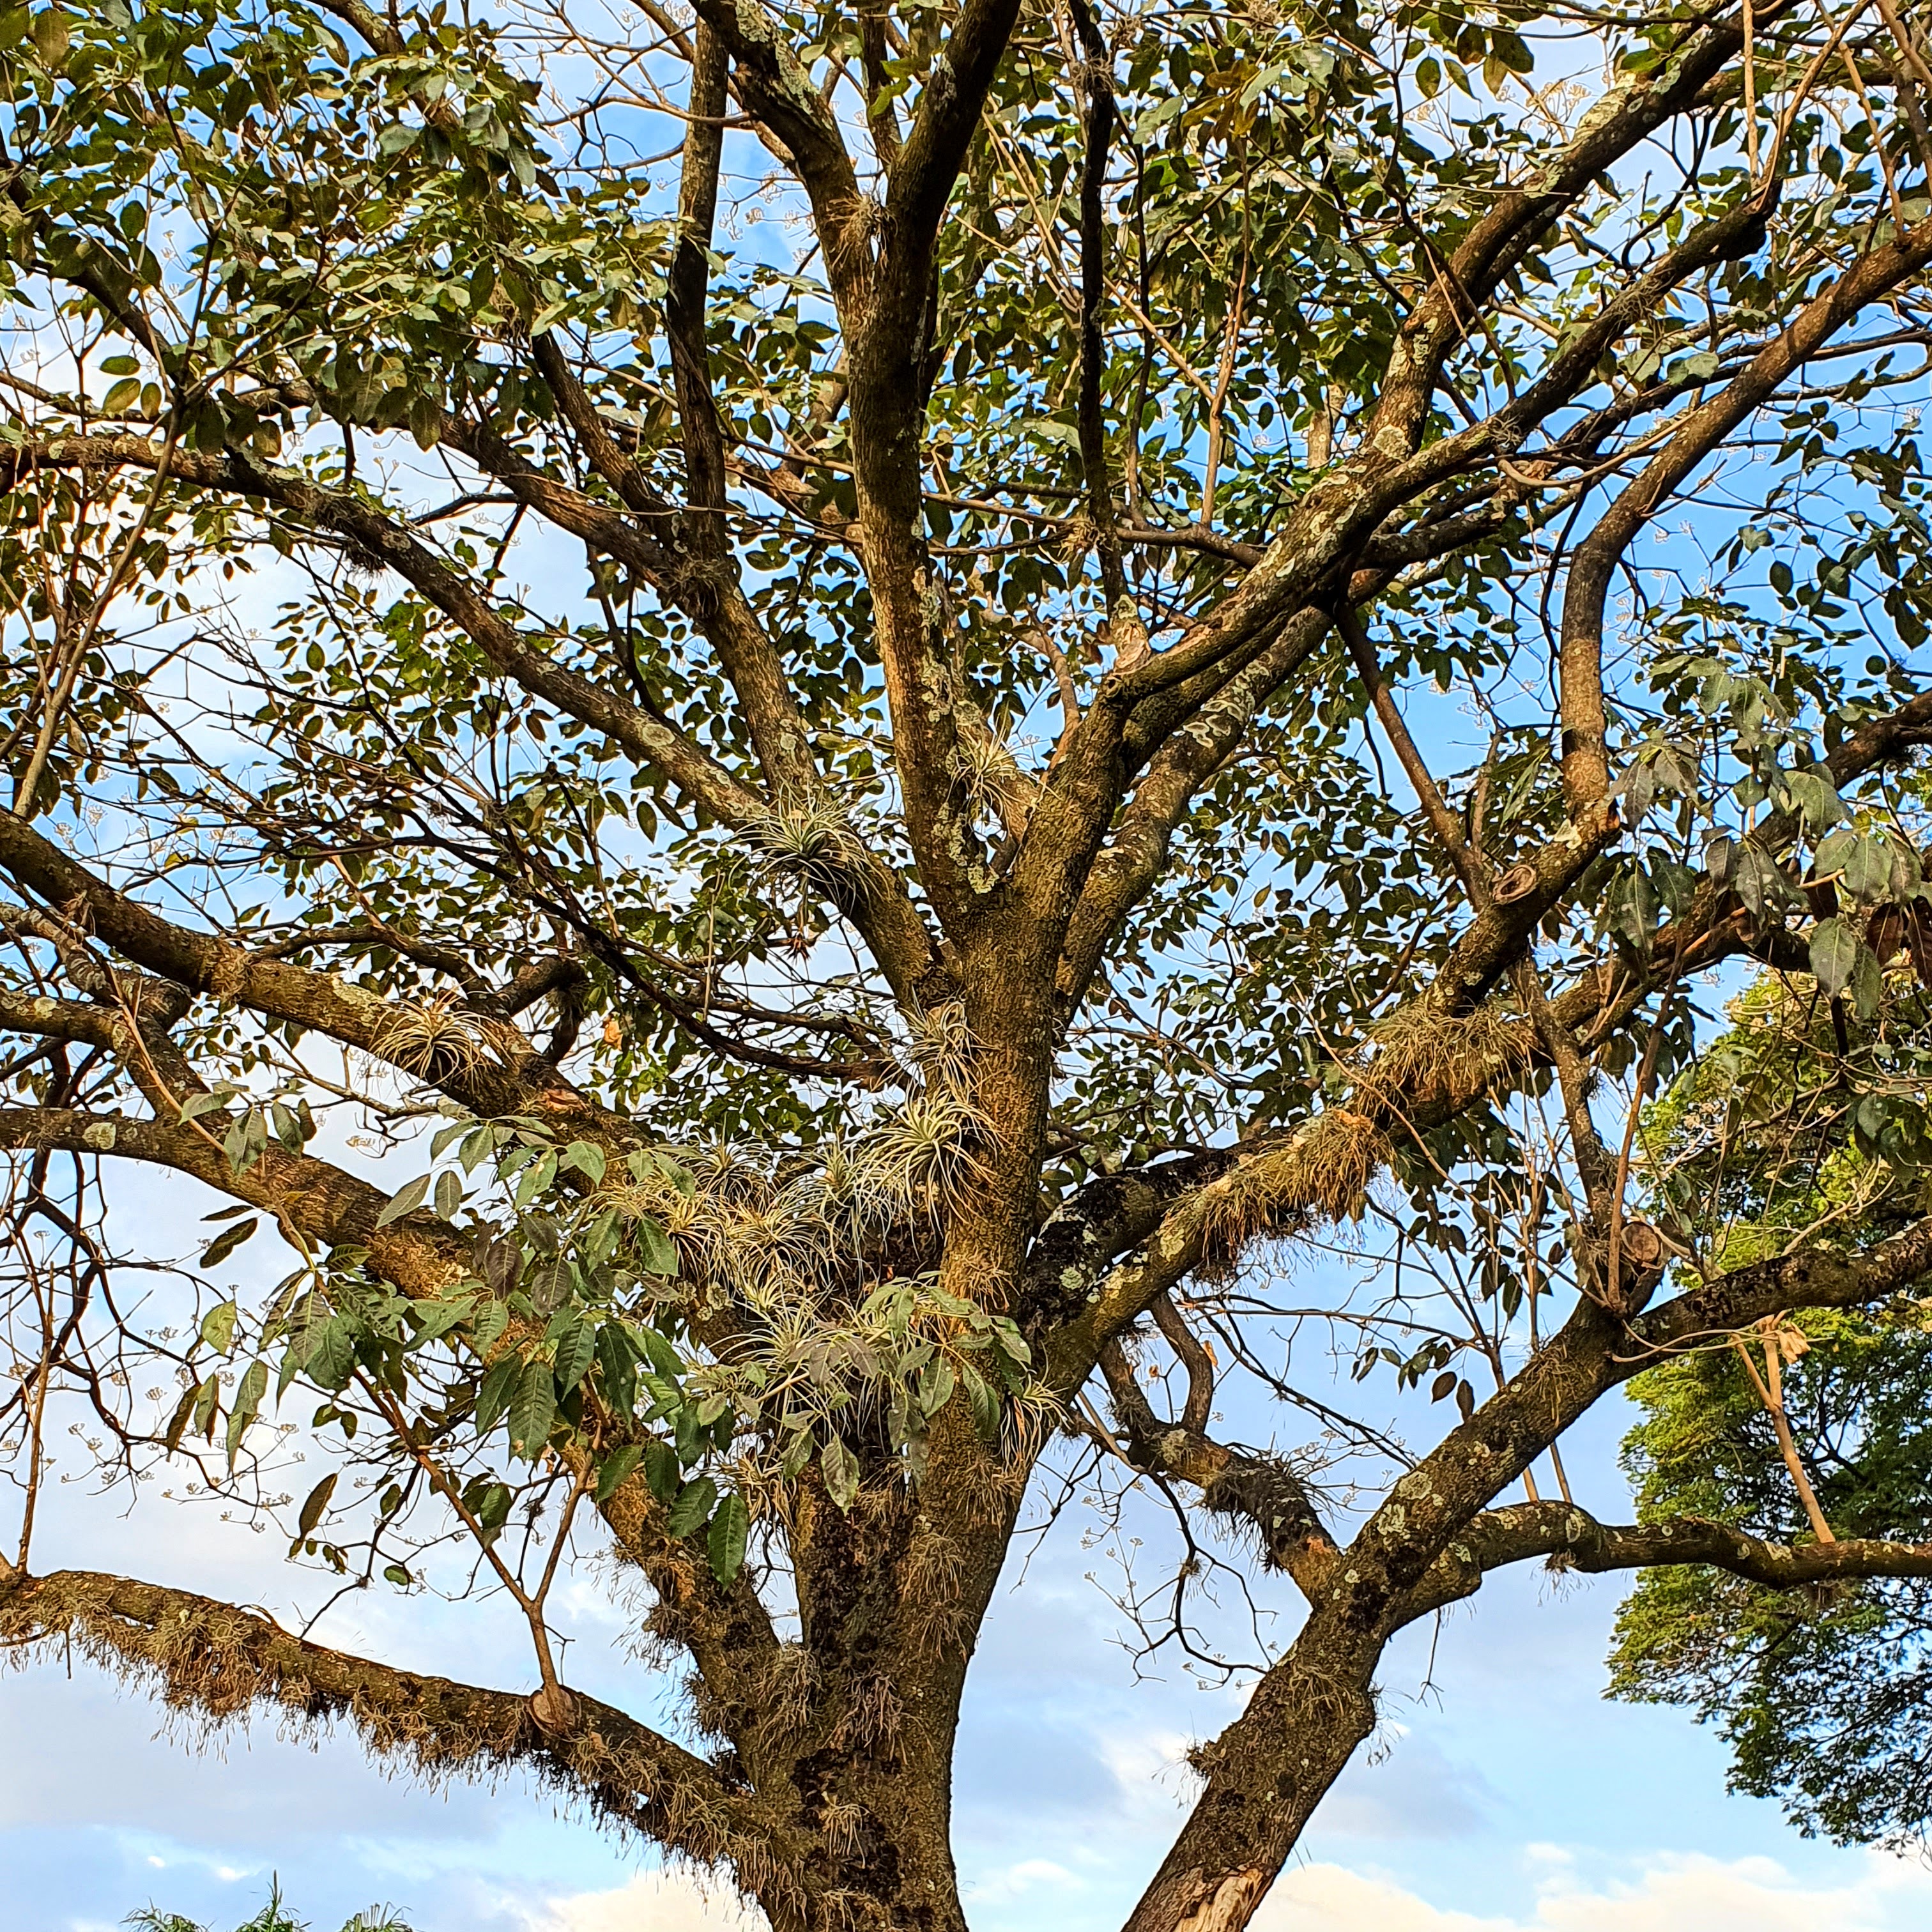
(316, 1200)
(511, 1079)
(212, 1661)
(1133, 859)
(1574, 1540)
(775, 88)
(1585, 758)
(648, 738)
(929, 164)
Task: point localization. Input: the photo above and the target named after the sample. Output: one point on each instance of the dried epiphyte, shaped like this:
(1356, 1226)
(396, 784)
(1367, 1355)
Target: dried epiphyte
(812, 841)
(1422, 1051)
(1324, 1170)
(989, 775)
(440, 1039)
(212, 1665)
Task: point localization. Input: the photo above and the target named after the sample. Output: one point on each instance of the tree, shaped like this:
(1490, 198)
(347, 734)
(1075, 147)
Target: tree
(1812, 1425)
(835, 745)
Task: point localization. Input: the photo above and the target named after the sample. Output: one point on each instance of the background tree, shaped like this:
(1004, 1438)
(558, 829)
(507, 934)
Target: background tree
(1809, 1425)
(793, 647)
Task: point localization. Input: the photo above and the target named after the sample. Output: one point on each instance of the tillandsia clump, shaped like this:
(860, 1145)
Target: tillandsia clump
(826, 783)
(274, 1916)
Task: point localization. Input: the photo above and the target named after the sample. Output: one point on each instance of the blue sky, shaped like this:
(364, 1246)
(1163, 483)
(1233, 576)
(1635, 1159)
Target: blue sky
(1506, 1795)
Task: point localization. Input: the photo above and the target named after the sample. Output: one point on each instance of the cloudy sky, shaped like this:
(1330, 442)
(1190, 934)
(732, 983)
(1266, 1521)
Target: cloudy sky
(1507, 1795)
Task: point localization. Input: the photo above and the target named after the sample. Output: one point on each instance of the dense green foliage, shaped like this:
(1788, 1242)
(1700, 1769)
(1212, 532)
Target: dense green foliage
(1826, 1696)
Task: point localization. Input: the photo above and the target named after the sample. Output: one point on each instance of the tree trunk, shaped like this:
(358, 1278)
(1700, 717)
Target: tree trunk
(1265, 1775)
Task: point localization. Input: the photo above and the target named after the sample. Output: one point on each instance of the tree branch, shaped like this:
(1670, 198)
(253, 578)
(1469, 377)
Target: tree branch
(212, 1661)
(1572, 1540)
(1263, 1491)
(514, 1078)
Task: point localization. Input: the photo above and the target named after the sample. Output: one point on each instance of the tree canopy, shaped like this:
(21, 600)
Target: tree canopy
(851, 776)
(1812, 1424)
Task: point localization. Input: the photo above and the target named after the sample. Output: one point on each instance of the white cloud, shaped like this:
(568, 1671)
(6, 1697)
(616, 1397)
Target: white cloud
(1000, 1888)
(1666, 1892)
(1672, 1892)
(1151, 1769)
(1331, 1898)
(651, 1902)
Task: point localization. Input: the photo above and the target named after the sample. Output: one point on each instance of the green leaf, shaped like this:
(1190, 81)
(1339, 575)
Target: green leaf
(435, 1319)
(661, 1471)
(576, 1342)
(1866, 868)
(726, 1542)
(1833, 851)
(1012, 1343)
(177, 1422)
(587, 1158)
(618, 1368)
(489, 1502)
(663, 1357)
(985, 1404)
(406, 1200)
(1756, 876)
(315, 1506)
(680, 1178)
(217, 1326)
(448, 1194)
(1867, 983)
(617, 1469)
(532, 1409)
(1834, 952)
(494, 1393)
(840, 1468)
(487, 1330)
(425, 422)
(332, 1355)
(693, 1506)
(1816, 797)
(397, 1575)
(655, 1253)
(936, 1384)
(245, 1141)
(1512, 51)
(247, 1405)
(534, 1179)
(51, 36)
(225, 1244)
